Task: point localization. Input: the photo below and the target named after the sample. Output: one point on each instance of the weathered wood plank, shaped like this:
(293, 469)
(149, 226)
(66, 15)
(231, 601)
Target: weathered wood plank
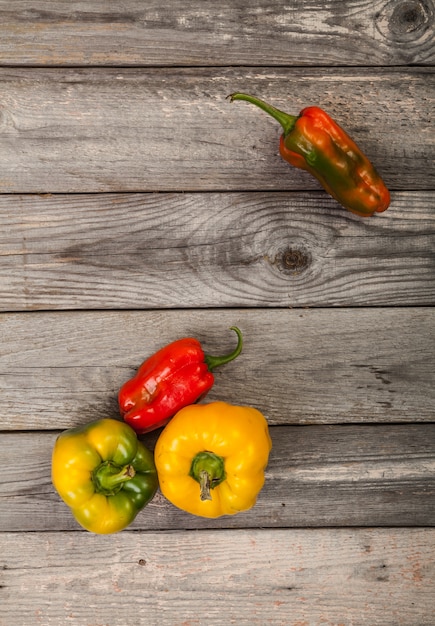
(296, 577)
(231, 32)
(213, 249)
(366, 475)
(101, 130)
(299, 367)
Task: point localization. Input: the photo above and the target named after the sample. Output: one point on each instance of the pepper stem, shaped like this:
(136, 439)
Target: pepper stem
(204, 486)
(208, 469)
(108, 477)
(215, 361)
(286, 120)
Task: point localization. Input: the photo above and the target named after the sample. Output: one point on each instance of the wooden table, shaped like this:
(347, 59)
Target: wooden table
(139, 206)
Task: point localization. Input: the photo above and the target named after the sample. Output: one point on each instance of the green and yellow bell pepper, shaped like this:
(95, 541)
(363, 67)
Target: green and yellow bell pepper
(104, 473)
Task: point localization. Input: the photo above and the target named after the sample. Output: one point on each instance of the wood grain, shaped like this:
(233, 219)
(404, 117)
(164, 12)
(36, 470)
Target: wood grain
(366, 475)
(202, 32)
(373, 576)
(102, 130)
(286, 249)
(299, 367)
(174, 215)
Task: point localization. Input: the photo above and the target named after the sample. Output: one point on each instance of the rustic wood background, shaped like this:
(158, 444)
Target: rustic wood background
(137, 206)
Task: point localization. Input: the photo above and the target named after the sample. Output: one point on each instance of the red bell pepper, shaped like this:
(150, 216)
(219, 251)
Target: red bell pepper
(174, 377)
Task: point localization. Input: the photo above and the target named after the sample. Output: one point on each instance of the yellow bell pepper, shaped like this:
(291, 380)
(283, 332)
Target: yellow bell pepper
(104, 473)
(211, 458)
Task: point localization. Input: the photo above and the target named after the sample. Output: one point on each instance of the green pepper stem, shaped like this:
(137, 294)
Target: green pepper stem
(215, 361)
(286, 120)
(108, 477)
(208, 469)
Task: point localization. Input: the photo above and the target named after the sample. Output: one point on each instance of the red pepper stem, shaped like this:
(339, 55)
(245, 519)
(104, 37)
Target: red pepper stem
(286, 120)
(215, 361)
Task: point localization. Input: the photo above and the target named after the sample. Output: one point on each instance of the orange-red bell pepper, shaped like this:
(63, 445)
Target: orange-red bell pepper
(314, 142)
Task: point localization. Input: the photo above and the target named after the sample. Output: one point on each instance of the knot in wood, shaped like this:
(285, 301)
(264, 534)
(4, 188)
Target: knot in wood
(410, 22)
(293, 260)
(410, 19)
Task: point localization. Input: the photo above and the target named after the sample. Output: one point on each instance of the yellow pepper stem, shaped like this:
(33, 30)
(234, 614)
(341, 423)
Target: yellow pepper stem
(204, 486)
(108, 477)
(208, 469)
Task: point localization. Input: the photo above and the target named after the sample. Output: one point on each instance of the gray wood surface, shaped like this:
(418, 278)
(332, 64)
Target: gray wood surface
(137, 206)
(367, 365)
(204, 32)
(255, 577)
(285, 249)
(332, 476)
(166, 129)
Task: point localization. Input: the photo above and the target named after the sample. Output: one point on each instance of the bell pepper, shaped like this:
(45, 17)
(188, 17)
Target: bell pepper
(177, 375)
(314, 142)
(104, 474)
(211, 458)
